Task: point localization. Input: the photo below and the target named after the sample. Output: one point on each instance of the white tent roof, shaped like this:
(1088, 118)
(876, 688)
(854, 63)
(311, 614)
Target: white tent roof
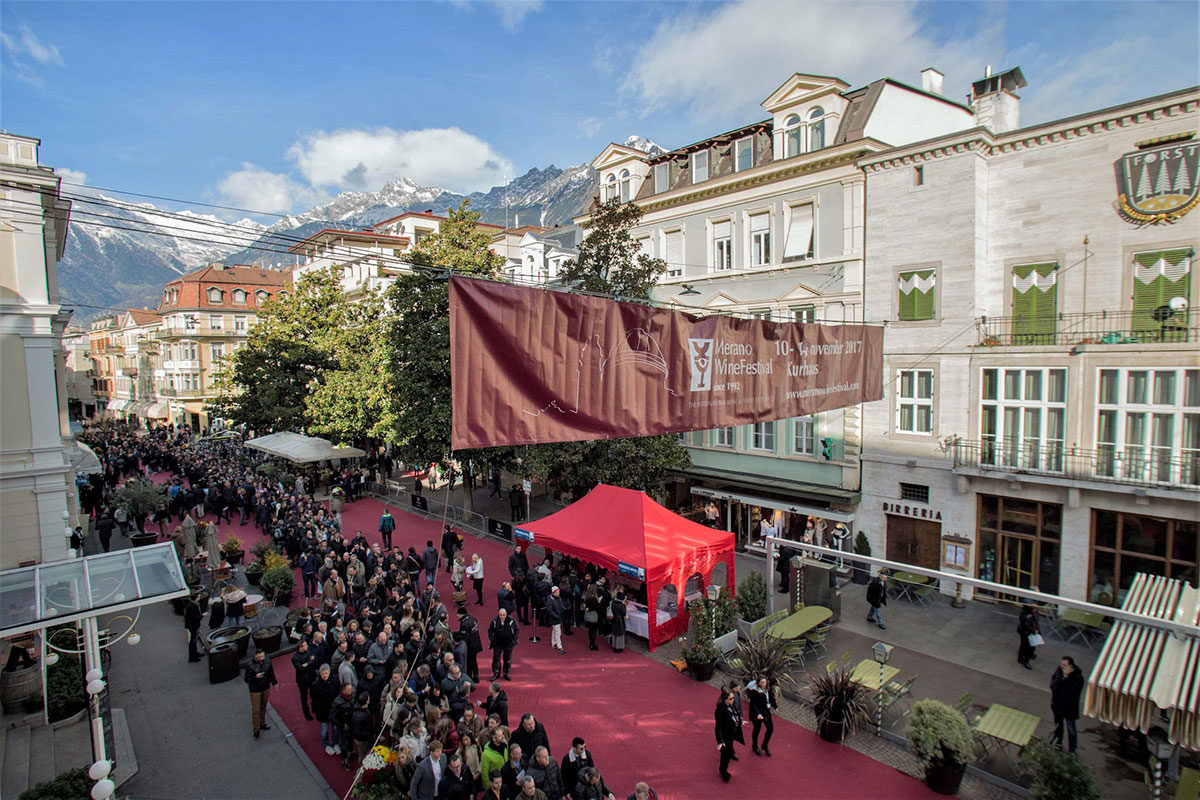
(1143, 669)
(301, 449)
(84, 459)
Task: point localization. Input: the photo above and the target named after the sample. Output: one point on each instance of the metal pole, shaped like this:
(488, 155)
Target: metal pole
(771, 556)
(1158, 771)
(91, 661)
(879, 704)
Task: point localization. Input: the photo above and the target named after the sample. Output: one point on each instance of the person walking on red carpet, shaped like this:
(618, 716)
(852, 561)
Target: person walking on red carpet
(577, 759)
(387, 524)
(762, 701)
(260, 677)
(475, 573)
(503, 635)
(554, 618)
(728, 731)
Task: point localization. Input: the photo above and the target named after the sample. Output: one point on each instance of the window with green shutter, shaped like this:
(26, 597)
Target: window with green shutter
(917, 294)
(1158, 277)
(1034, 303)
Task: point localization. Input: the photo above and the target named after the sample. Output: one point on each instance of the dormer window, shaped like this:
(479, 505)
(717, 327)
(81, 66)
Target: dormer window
(625, 186)
(662, 177)
(611, 189)
(215, 295)
(744, 159)
(239, 296)
(816, 129)
(700, 166)
(791, 136)
(261, 297)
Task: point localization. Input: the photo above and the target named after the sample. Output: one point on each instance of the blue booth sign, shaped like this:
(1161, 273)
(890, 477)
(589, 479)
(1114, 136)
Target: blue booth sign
(631, 570)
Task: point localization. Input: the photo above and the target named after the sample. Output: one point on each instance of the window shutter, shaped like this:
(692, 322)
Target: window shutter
(800, 234)
(913, 302)
(1158, 277)
(1035, 303)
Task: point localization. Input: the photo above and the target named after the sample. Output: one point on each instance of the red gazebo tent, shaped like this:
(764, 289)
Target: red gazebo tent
(626, 532)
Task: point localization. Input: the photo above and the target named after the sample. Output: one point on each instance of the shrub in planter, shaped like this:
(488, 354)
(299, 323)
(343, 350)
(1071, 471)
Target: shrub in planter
(842, 706)
(260, 549)
(701, 656)
(254, 573)
(268, 639)
(940, 739)
(277, 582)
(64, 688)
(231, 549)
(1058, 775)
(862, 547)
(751, 601)
(764, 656)
(140, 497)
(71, 785)
(718, 618)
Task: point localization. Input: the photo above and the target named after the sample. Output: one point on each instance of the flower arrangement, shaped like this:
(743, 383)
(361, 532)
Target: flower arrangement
(273, 559)
(376, 779)
(232, 544)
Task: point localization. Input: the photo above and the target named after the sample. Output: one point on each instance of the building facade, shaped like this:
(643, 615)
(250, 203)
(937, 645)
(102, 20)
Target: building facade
(38, 503)
(1040, 425)
(767, 220)
(533, 254)
(206, 315)
(77, 352)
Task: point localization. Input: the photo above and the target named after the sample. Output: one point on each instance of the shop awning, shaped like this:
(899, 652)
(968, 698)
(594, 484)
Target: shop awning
(1143, 669)
(66, 591)
(301, 449)
(138, 409)
(756, 484)
(118, 405)
(156, 411)
(778, 505)
(84, 460)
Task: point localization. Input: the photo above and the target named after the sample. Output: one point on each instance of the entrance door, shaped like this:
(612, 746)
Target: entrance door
(1016, 561)
(914, 541)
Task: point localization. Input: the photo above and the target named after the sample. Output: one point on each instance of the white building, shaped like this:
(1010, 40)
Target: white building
(1040, 425)
(37, 486)
(81, 401)
(533, 254)
(767, 219)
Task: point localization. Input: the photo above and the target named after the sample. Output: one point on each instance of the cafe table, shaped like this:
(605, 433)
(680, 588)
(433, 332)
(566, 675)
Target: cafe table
(905, 582)
(867, 673)
(1080, 624)
(1007, 727)
(800, 623)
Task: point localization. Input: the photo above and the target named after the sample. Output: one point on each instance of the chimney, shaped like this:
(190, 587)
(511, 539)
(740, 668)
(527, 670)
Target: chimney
(995, 102)
(219, 266)
(931, 81)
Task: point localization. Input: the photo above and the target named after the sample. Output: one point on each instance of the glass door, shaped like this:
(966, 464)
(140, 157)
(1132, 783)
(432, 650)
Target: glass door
(1016, 561)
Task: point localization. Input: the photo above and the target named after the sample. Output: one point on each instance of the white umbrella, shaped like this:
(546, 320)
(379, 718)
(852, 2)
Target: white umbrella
(214, 553)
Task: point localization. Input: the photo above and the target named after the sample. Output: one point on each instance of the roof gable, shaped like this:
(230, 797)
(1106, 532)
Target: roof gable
(800, 292)
(720, 300)
(800, 88)
(614, 154)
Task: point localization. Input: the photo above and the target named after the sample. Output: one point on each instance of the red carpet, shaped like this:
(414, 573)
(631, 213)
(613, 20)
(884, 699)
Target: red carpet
(642, 720)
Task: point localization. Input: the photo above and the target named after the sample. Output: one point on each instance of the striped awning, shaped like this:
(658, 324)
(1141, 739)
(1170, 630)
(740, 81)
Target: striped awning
(156, 411)
(1143, 669)
(117, 405)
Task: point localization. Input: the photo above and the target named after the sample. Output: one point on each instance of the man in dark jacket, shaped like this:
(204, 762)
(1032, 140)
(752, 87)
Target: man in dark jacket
(192, 617)
(530, 734)
(305, 662)
(546, 774)
(428, 774)
(877, 599)
(503, 634)
(518, 564)
(324, 691)
(450, 545)
(104, 529)
(468, 629)
(513, 769)
(457, 782)
(590, 786)
(576, 761)
(260, 677)
(341, 714)
(496, 703)
(1066, 685)
(362, 726)
(554, 618)
(429, 559)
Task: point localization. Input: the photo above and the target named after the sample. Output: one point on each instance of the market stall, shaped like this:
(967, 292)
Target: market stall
(301, 449)
(628, 533)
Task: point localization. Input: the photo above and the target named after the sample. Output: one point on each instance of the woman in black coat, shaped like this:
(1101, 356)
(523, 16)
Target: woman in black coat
(762, 702)
(728, 731)
(618, 621)
(1027, 625)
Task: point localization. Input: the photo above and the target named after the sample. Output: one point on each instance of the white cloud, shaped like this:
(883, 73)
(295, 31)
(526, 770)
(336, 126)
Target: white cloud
(72, 176)
(713, 61)
(364, 160)
(24, 47)
(589, 127)
(513, 12)
(260, 190)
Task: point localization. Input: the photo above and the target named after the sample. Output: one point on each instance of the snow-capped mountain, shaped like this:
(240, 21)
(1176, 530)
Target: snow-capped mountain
(107, 266)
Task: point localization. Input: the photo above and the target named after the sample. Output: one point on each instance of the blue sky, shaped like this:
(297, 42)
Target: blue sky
(279, 106)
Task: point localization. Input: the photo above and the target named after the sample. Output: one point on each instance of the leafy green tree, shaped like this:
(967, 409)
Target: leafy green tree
(609, 259)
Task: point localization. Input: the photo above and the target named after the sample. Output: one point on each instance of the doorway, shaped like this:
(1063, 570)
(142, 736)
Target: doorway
(914, 541)
(1016, 561)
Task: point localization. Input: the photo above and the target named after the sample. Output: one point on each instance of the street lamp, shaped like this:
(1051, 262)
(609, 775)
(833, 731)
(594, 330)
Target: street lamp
(1163, 751)
(882, 652)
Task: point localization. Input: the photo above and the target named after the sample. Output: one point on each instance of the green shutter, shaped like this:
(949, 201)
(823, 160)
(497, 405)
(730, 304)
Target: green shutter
(1034, 310)
(915, 304)
(1156, 292)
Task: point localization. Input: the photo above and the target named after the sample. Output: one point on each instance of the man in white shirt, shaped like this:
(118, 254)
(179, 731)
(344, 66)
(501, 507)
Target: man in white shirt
(475, 573)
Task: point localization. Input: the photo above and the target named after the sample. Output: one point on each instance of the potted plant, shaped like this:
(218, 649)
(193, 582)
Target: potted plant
(701, 654)
(1056, 774)
(140, 498)
(267, 639)
(940, 739)
(254, 572)
(719, 617)
(277, 582)
(862, 570)
(842, 706)
(765, 656)
(232, 550)
(751, 602)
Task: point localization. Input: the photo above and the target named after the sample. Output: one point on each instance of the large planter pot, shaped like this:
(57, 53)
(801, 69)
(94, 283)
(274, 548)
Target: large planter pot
(238, 635)
(702, 671)
(743, 628)
(143, 539)
(861, 576)
(267, 639)
(235, 556)
(18, 687)
(727, 642)
(832, 729)
(253, 578)
(223, 662)
(944, 778)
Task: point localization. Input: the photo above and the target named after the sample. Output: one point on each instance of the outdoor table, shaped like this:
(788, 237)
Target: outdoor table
(637, 622)
(800, 623)
(1079, 624)
(1007, 727)
(867, 673)
(904, 582)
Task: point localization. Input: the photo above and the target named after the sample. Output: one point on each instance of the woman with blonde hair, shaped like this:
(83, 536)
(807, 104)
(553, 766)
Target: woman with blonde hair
(414, 740)
(457, 572)
(468, 748)
(406, 765)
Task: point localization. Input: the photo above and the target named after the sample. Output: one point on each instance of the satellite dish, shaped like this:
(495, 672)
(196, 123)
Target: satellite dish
(1178, 303)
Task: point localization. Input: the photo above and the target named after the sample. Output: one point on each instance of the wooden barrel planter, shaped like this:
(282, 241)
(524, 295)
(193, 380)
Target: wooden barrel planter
(223, 662)
(143, 539)
(267, 639)
(237, 635)
(18, 687)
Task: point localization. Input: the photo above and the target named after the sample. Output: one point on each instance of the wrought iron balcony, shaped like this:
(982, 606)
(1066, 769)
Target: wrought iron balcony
(182, 394)
(1128, 464)
(1160, 326)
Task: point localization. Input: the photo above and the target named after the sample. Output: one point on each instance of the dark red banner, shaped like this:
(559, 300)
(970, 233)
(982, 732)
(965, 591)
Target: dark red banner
(532, 365)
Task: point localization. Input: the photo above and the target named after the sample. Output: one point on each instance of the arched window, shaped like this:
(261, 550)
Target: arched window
(791, 136)
(625, 186)
(261, 297)
(611, 191)
(239, 295)
(215, 295)
(816, 129)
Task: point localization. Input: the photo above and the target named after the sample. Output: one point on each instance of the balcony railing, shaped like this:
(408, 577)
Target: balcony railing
(1092, 327)
(167, 391)
(193, 332)
(1130, 464)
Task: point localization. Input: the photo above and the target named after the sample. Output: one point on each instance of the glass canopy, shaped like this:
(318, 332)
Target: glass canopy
(66, 591)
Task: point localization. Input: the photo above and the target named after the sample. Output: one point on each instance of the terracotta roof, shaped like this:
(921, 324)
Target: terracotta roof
(193, 287)
(144, 316)
(422, 214)
(526, 229)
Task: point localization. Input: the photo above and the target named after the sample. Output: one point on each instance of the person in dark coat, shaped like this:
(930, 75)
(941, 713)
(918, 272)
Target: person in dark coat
(503, 634)
(260, 677)
(192, 617)
(618, 610)
(546, 774)
(590, 786)
(762, 702)
(876, 599)
(468, 629)
(518, 564)
(104, 529)
(457, 782)
(305, 662)
(496, 703)
(1066, 685)
(324, 690)
(450, 546)
(1027, 626)
(783, 566)
(728, 731)
(530, 734)
(429, 559)
(577, 759)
